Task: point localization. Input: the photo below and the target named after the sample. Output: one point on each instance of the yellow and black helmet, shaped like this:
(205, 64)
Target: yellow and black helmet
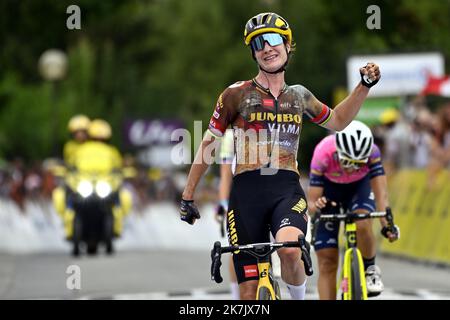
(99, 129)
(78, 122)
(267, 22)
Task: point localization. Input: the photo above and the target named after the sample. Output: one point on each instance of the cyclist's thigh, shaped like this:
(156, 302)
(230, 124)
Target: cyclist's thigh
(326, 235)
(363, 199)
(327, 231)
(247, 222)
(290, 209)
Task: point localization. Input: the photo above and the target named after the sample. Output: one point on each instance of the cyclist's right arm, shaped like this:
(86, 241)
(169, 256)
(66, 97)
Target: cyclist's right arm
(198, 168)
(188, 211)
(315, 194)
(221, 118)
(223, 114)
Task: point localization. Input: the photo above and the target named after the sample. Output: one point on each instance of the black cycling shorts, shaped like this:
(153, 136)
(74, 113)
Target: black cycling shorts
(260, 204)
(353, 196)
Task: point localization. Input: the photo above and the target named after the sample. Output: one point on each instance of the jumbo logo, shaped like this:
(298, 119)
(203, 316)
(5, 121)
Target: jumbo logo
(269, 116)
(232, 233)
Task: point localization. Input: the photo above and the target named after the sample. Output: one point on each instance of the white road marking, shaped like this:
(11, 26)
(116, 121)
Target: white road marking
(311, 294)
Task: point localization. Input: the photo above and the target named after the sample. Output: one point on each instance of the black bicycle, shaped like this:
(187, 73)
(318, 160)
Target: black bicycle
(268, 287)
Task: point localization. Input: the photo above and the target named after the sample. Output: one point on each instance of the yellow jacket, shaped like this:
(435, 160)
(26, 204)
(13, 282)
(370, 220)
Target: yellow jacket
(70, 148)
(96, 156)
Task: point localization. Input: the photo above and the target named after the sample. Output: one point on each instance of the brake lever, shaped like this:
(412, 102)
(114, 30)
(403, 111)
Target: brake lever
(306, 257)
(389, 217)
(216, 263)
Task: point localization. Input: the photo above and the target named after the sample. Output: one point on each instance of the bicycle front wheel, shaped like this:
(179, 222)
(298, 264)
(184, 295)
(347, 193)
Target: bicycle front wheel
(276, 288)
(264, 294)
(356, 284)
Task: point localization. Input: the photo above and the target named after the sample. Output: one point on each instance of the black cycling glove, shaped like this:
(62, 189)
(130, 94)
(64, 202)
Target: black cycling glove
(395, 230)
(188, 211)
(365, 80)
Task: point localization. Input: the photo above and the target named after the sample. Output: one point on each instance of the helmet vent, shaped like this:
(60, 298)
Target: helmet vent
(264, 19)
(346, 146)
(368, 148)
(361, 149)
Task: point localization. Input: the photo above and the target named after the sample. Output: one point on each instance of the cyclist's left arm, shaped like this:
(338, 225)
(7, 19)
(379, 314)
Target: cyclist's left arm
(339, 117)
(378, 183)
(379, 188)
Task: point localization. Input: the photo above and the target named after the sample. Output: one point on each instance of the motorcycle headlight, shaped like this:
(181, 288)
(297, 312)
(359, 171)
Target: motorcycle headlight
(85, 188)
(103, 189)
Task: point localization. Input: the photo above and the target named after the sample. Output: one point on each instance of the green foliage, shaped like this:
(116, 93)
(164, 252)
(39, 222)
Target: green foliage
(171, 58)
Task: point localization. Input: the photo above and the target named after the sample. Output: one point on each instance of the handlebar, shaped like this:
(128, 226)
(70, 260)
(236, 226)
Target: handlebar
(259, 250)
(352, 216)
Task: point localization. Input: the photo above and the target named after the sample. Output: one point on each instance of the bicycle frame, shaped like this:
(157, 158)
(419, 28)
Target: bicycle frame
(353, 272)
(266, 278)
(346, 273)
(268, 288)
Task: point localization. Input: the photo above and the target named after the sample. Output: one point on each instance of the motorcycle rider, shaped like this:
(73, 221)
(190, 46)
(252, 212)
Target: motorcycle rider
(78, 128)
(97, 155)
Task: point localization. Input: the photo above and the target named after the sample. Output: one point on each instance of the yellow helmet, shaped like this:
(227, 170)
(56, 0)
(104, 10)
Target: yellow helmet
(99, 129)
(267, 22)
(78, 122)
(390, 115)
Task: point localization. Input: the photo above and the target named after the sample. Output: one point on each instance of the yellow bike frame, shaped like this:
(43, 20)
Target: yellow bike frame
(264, 270)
(345, 282)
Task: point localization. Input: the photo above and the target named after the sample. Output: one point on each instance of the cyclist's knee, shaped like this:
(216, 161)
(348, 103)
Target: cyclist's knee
(289, 255)
(247, 290)
(328, 261)
(364, 226)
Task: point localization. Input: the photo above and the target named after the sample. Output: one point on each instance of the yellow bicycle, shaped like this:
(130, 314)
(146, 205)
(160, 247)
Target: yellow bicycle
(268, 287)
(352, 281)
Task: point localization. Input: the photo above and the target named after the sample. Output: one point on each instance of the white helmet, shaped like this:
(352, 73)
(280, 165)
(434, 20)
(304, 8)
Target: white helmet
(355, 141)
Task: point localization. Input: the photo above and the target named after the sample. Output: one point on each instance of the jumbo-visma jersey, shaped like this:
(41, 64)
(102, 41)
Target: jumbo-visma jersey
(267, 130)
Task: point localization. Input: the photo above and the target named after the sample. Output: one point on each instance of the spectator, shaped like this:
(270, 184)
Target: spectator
(440, 145)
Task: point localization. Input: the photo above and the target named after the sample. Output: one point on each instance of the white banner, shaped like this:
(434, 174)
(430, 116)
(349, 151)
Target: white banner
(401, 74)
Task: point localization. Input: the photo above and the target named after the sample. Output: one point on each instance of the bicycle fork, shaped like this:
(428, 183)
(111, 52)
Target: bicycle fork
(266, 279)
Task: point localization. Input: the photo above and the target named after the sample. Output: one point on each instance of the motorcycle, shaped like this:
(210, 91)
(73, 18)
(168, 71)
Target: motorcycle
(93, 208)
(93, 196)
